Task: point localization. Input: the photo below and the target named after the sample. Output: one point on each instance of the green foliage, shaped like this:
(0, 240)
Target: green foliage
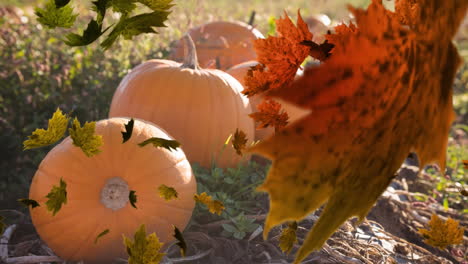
(54, 15)
(235, 188)
(128, 130)
(240, 228)
(29, 202)
(57, 196)
(161, 142)
(103, 233)
(60, 14)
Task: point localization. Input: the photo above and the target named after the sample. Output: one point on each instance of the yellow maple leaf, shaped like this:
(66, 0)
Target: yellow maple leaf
(144, 249)
(84, 137)
(166, 192)
(214, 206)
(385, 91)
(442, 234)
(288, 237)
(56, 129)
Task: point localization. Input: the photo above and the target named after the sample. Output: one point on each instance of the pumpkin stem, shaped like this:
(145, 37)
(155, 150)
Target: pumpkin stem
(190, 53)
(114, 194)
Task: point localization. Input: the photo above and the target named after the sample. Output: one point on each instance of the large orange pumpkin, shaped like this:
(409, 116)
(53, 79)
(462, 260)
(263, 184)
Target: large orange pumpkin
(220, 44)
(98, 190)
(199, 107)
(239, 71)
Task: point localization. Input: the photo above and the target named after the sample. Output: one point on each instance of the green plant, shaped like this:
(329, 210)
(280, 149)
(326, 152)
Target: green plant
(235, 188)
(240, 227)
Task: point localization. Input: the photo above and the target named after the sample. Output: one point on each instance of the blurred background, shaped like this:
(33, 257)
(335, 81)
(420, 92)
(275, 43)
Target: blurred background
(38, 73)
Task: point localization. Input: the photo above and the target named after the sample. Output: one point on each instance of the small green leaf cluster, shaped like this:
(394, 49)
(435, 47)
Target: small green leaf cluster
(240, 227)
(59, 13)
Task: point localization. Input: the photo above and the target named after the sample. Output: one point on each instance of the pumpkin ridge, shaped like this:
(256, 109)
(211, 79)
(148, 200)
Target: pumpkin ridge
(143, 177)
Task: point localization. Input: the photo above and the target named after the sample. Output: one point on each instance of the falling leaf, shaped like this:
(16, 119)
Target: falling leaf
(239, 141)
(105, 232)
(288, 237)
(465, 164)
(2, 225)
(270, 114)
(90, 34)
(29, 202)
(132, 197)
(144, 249)
(84, 137)
(128, 130)
(57, 197)
(161, 142)
(168, 193)
(54, 15)
(214, 206)
(279, 57)
(128, 27)
(319, 51)
(56, 129)
(180, 241)
(202, 198)
(385, 91)
(442, 233)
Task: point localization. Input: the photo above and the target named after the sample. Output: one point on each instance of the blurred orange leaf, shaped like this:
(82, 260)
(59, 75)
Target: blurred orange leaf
(442, 233)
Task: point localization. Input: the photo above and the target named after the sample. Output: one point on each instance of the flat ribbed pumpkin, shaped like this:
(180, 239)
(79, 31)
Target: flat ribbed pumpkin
(98, 190)
(220, 44)
(199, 107)
(239, 71)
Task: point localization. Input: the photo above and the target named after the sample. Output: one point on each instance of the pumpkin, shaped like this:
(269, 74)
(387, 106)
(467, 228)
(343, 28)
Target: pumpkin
(199, 107)
(220, 44)
(239, 71)
(98, 190)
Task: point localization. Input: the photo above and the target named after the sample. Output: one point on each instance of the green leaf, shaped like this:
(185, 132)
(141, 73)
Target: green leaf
(52, 16)
(61, 3)
(180, 241)
(100, 7)
(128, 130)
(55, 131)
(144, 249)
(123, 6)
(2, 225)
(157, 4)
(29, 202)
(100, 235)
(90, 34)
(161, 142)
(57, 196)
(84, 137)
(167, 192)
(229, 228)
(132, 197)
(128, 27)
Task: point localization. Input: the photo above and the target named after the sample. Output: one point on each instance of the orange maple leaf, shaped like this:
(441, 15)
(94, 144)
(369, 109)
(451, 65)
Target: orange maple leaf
(442, 233)
(270, 114)
(239, 141)
(279, 57)
(385, 91)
